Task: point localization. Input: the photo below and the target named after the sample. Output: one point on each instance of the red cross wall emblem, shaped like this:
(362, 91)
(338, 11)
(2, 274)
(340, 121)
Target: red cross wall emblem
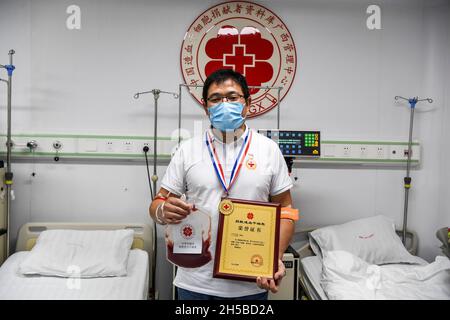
(238, 60)
(245, 37)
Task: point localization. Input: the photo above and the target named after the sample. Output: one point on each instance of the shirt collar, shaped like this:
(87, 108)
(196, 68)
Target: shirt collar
(216, 135)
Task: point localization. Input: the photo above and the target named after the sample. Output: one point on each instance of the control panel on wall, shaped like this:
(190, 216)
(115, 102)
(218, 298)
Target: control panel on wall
(295, 143)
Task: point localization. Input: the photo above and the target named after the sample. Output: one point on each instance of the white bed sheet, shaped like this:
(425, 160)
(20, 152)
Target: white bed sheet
(347, 277)
(312, 267)
(134, 286)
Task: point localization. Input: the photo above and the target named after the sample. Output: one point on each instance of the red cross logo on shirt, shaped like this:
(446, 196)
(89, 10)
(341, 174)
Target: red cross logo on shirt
(250, 164)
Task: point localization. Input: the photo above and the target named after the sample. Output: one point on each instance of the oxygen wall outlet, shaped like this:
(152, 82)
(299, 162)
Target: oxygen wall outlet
(398, 152)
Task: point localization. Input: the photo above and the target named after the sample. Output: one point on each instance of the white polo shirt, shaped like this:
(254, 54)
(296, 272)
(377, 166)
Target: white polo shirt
(263, 173)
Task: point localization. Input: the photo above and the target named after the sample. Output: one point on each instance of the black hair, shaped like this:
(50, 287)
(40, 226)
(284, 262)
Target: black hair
(222, 75)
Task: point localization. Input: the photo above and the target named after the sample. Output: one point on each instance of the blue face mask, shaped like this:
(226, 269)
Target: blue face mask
(226, 116)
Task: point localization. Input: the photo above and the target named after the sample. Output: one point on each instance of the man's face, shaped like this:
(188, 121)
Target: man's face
(227, 88)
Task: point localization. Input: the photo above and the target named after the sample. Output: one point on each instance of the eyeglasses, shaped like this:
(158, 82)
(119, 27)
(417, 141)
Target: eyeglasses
(233, 97)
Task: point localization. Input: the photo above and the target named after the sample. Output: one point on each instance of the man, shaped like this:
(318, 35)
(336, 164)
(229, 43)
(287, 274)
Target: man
(263, 177)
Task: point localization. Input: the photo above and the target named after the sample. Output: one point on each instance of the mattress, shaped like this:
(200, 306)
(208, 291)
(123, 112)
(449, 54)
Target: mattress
(312, 267)
(134, 286)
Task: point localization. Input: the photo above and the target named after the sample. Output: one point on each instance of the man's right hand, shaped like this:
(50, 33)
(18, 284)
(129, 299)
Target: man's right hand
(175, 210)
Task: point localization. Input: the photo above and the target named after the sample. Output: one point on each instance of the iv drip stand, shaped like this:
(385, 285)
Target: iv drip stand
(8, 174)
(407, 180)
(156, 93)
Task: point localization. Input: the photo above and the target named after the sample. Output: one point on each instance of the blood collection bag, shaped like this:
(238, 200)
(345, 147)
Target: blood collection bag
(188, 243)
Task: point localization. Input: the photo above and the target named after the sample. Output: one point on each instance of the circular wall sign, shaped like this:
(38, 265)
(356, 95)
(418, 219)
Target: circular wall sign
(247, 38)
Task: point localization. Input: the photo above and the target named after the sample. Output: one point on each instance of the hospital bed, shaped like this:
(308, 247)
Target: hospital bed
(442, 235)
(310, 267)
(134, 286)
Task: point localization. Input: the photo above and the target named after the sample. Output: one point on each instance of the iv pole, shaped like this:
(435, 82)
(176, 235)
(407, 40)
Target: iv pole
(156, 93)
(8, 174)
(407, 180)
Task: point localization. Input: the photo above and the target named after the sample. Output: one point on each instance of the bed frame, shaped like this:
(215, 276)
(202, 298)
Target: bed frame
(143, 236)
(306, 251)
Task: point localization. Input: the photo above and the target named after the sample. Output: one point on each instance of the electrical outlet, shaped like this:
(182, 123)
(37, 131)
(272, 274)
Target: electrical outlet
(346, 151)
(109, 146)
(405, 153)
(128, 146)
(145, 144)
(363, 151)
(381, 152)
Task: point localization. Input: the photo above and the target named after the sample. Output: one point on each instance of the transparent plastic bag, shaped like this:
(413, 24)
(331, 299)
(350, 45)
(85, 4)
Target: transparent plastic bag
(188, 243)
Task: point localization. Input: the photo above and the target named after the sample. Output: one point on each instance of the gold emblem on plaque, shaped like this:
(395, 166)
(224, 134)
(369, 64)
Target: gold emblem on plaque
(256, 260)
(226, 207)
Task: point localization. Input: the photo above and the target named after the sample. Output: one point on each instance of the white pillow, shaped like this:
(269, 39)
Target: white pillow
(79, 253)
(372, 239)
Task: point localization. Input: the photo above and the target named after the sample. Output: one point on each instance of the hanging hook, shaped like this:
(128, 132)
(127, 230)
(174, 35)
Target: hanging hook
(136, 96)
(175, 95)
(156, 92)
(429, 100)
(413, 101)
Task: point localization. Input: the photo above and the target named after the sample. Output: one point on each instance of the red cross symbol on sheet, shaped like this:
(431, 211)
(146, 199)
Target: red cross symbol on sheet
(239, 60)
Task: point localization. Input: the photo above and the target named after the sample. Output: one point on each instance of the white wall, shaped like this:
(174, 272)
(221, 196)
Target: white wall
(442, 218)
(83, 82)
